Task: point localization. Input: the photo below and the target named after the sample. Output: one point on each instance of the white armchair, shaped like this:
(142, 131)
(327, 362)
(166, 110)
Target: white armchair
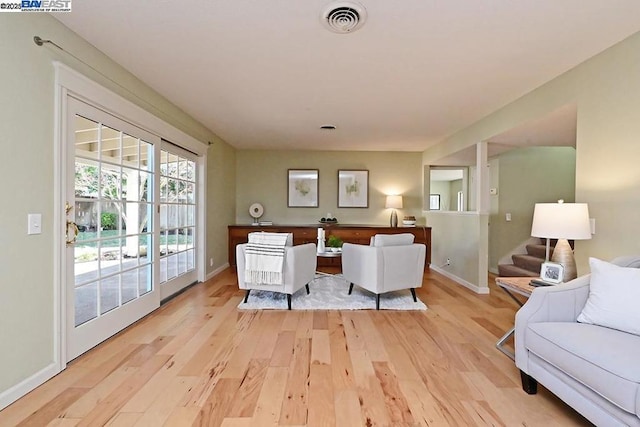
(392, 262)
(298, 270)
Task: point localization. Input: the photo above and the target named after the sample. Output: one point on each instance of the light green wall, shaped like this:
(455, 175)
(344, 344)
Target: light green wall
(606, 90)
(448, 231)
(26, 140)
(221, 191)
(527, 176)
(262, 177)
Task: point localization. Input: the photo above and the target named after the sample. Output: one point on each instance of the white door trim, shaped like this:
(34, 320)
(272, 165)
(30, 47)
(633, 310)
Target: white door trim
(71, 83)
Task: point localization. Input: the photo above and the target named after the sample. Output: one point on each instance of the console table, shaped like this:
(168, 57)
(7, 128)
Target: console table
(360, 234)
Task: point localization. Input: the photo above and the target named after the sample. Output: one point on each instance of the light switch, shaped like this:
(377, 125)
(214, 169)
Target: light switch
(34, 223)
(508, 216)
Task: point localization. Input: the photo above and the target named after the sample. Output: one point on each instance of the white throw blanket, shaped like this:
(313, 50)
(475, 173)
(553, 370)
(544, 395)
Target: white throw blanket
(264, 258)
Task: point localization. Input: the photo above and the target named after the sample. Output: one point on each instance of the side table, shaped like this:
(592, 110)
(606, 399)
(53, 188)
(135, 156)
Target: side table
(328, 254)
(513, 285)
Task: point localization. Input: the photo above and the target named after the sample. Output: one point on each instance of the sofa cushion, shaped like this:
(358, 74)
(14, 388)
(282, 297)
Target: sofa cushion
(603, 359)
(392, 239)
(614, 297)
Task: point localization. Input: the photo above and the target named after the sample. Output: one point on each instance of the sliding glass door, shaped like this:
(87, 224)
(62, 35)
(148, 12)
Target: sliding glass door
(178, 210)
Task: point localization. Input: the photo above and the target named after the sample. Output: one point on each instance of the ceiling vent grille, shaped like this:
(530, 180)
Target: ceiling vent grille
(343, 17)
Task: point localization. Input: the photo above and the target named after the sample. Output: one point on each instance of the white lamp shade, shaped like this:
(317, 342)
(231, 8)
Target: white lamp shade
(394, 202)
(561, 221)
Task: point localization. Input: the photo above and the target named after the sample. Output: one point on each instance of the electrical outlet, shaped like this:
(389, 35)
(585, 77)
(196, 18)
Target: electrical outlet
(448, 261)
(210, 262)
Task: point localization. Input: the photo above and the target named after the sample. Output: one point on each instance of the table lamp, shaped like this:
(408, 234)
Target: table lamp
(562, 221)
(394, 202)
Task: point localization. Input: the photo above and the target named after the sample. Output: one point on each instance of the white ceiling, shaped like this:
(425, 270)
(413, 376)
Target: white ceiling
(267, 74)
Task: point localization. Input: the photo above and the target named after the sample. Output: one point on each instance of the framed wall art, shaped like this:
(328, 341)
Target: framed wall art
(434, 202)
(302, 188)
(353, 188)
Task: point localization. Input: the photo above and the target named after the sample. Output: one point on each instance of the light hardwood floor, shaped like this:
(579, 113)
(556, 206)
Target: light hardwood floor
(200, 361)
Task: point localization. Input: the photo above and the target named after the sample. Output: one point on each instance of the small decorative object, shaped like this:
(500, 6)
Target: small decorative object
(334, 242)
(256, 210)
(320, 247)
(552, 272)
(302, 188)
(353, 188)
(409, 220)
(329, 219)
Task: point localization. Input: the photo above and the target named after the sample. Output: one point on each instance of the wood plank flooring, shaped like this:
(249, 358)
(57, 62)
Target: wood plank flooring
(198, 361)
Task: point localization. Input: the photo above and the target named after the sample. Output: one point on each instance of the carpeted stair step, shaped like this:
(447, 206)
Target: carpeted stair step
(528, 262)
(539, 250)
(510, 270)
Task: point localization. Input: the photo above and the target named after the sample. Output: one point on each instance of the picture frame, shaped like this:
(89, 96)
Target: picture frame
(302, 188)
(353, 188)
(434, 202)
(552, 272)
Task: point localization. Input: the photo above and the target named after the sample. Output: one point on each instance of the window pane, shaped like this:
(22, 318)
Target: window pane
(146, 153)
(110, 182)
(130, 150)
(109, 293)
(86, 303)
(86, 179)
(110, 145)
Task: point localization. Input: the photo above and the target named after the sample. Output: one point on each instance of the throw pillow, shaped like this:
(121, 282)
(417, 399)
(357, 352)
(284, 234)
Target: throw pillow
(392, 239)
(614, 297)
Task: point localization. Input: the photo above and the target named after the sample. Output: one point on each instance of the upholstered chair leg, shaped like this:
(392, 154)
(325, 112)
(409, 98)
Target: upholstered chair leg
(377, 301)
(413, 294)
(289, 301)
(246, 295)
(529, 384)
(350, 288)
(307, 286)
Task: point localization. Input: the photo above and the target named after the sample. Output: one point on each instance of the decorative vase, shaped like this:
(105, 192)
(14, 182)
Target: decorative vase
(321, 248)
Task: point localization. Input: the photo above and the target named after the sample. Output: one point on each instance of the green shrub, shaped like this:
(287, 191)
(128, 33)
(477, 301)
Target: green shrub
(109, 221)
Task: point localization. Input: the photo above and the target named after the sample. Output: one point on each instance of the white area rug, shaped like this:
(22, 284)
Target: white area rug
(331, 293)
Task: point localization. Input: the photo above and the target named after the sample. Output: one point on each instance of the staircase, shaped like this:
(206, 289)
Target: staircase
(526, 265)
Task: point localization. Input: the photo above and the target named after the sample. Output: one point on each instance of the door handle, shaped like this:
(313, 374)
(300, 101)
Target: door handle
(74, 227)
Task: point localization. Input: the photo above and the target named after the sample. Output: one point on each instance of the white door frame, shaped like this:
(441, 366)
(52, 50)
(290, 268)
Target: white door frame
(69, 82)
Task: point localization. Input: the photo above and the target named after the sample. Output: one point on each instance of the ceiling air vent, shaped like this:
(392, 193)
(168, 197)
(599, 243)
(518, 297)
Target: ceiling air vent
(343, 17)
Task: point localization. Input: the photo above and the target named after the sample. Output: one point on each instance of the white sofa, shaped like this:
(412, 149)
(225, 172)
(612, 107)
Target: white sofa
(594, 369)
(391, 262)
(298, 270)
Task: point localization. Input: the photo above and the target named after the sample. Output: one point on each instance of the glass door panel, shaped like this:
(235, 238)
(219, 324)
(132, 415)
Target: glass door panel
(178, 207)
(110, 265)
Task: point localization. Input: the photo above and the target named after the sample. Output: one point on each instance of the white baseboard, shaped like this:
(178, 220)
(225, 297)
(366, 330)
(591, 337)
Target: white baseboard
(14, 393)
(494, 271)
(475, 288)
(217, 271)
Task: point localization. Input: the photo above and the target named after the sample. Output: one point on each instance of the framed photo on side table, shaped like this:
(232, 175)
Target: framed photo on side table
(552, 272)
(302, 188)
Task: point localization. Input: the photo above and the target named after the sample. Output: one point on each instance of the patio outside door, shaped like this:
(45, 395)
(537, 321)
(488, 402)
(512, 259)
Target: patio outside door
(112, 253)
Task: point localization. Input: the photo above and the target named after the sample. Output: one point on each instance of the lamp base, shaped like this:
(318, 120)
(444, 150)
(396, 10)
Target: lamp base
(563, 254)
(394, 219)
